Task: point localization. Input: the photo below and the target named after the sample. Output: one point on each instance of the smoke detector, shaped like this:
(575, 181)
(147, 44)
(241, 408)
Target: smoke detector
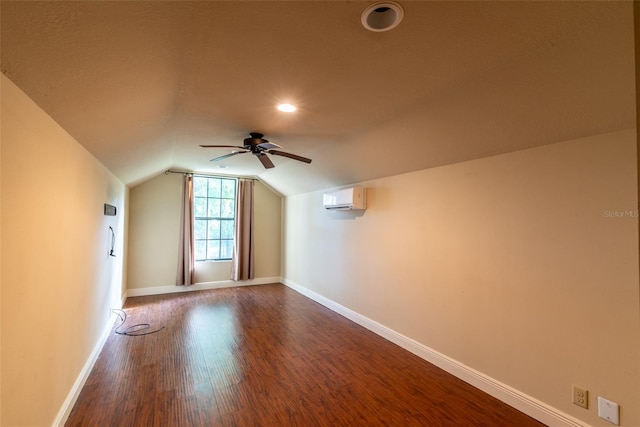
(382, 16)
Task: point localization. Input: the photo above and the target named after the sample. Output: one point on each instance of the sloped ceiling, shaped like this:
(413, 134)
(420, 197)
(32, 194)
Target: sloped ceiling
(142, 84)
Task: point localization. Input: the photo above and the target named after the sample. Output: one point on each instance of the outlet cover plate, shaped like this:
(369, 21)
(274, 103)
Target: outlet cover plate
(608, 410)
(580, 396)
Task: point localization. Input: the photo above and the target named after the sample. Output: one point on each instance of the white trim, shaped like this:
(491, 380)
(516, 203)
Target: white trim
(517, 399)
(74, 393)
(157, 290)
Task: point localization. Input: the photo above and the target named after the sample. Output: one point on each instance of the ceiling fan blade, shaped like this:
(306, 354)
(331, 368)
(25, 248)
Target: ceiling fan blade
(233, 153)
(268, 145)
(289, 155)
(222, 146)
(265, 160)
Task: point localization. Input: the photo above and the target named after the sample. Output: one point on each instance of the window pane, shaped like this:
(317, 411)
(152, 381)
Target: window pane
(227, 208)
(200, 247)
(213, 249)
(213, 229)
(229, 189)
(214, 208)
(226, 249)
(226, 230)
(200, 207)
(200, 229)
(200, 187)
(214, 187)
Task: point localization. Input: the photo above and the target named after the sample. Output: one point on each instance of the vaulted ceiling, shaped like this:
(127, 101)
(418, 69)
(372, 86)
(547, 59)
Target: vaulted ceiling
(141, 84)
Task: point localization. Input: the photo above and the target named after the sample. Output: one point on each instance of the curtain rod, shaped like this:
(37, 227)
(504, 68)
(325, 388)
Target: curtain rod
(168, 171)
(252, 178)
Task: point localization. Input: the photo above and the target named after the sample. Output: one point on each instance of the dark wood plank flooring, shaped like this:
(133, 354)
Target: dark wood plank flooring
(268, 356)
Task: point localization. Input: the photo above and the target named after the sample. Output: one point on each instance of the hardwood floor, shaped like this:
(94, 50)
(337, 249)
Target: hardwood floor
(268, 356)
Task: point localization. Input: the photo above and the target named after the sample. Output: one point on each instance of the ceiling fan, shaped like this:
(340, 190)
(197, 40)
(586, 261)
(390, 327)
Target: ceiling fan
(259, 147)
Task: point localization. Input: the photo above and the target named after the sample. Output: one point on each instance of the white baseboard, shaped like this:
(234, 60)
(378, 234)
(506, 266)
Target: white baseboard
(157, 290)
(73, 395)
(521, 401)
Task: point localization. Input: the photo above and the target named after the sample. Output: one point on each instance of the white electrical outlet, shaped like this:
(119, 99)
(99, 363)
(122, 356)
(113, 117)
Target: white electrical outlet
(608, 410)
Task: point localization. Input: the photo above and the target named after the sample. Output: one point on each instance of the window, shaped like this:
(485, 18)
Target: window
(213, 217)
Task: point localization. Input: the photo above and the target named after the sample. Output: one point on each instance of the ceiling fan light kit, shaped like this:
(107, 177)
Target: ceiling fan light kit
(382, 16)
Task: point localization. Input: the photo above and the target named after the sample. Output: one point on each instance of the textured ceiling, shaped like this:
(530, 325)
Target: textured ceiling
(142, 84)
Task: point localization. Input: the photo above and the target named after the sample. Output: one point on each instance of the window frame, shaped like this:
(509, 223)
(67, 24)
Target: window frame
(208, 217)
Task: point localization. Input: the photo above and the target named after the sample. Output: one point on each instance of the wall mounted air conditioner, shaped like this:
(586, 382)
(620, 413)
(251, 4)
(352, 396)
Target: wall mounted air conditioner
(346, 199)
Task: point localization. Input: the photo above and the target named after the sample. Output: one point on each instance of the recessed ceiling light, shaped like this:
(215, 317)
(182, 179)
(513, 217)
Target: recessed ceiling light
(382, 16)
(287, 108)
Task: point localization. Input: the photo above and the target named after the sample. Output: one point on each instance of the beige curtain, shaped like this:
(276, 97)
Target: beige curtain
(185, 251)
(242, 265)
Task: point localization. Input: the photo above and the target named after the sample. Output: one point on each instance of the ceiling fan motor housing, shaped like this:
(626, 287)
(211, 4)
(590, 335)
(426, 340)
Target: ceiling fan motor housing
(253, 141)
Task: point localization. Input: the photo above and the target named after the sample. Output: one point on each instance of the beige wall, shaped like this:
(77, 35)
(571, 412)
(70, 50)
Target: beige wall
(154, 218)
(516, 265)
(154, 233)
(268, 231)
(58, 281)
